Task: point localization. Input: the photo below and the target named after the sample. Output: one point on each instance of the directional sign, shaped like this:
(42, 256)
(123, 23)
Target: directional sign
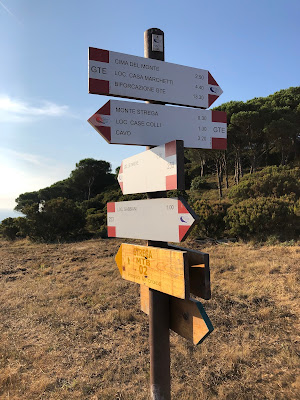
(167, 220)
(124, 122)
(158, 169)
(187, 317)
(199, 273)
(123, 75)
(160, 269)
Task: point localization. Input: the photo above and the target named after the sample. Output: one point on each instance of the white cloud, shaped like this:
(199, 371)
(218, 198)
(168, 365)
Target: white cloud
(24, 172)
(14, 110)
(12, 155)
(10, 13)
(7, 10)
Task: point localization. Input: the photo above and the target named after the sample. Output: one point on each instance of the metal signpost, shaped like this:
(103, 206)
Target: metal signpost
(167, 274)
(124, 122)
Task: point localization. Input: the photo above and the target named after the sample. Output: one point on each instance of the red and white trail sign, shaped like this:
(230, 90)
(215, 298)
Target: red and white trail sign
(167, 220)
(124, 122)
(124, 75)
(158, 169)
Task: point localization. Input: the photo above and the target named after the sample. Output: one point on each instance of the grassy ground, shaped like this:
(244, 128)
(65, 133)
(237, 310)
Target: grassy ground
(71, 328)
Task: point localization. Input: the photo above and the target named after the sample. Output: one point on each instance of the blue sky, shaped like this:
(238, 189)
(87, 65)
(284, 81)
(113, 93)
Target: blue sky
(250, 47)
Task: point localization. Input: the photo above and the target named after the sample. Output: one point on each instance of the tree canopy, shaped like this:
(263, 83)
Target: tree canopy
(89, 178)
(259, 174)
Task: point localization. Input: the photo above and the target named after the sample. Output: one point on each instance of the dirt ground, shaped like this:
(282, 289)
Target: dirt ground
(71, 327)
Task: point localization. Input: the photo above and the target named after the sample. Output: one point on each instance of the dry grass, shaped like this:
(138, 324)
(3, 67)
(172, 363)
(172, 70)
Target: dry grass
(71, 327)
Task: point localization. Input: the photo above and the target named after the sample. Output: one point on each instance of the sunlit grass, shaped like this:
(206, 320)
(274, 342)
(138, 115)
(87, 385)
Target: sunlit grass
(71, 328)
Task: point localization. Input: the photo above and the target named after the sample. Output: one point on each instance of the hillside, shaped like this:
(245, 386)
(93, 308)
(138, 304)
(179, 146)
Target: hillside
(263, 141)
(71, 328)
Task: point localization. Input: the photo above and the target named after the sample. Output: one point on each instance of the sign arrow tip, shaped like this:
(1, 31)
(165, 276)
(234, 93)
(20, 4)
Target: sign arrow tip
(118, 259)
(204, 321)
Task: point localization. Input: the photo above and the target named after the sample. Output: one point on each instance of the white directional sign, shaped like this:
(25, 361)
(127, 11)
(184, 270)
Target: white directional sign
(124, 122)
(123, 75)
(167, 220)
(158, 169)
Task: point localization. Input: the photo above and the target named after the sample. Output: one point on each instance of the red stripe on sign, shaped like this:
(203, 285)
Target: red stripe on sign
(171, 182)
(111, 207)
(111, 231)
(105, 131)
(98, 86)
(121, 185)
(218, 143)
(211, 80)
(98, 55)
(218, 116)
(181, 208)
(170, 148)
(182, 231)
(105, 110)
(121, 168)
(211, 99)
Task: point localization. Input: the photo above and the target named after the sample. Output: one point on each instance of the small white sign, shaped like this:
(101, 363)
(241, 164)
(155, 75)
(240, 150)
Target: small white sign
(167, 220)
(154, 170)
(157, 43)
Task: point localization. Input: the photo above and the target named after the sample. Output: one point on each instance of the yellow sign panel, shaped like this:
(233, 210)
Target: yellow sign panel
(199, 274)
(157, 268)
(187, 317)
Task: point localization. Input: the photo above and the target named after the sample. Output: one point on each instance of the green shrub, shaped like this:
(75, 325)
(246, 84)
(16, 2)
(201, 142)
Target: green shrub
(211, 221)
(13, 228)
(269, 182)
(96, 222)
(9, 228)
(199, 183)
(261, 217)
(57, 219)
(178, 194)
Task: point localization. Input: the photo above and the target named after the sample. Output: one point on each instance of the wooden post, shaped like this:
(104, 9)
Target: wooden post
(159, 313)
